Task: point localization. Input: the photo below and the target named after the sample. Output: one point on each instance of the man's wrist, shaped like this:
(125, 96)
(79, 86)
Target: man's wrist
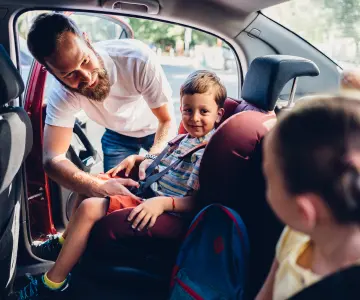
(139, 158)
(158, 147)
(150, 156)
(97, 188)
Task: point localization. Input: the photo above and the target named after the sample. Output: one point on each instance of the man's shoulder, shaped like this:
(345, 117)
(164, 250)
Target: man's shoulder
(123, 49)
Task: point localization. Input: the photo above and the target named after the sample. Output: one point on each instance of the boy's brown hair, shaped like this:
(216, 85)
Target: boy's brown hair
(200, 82)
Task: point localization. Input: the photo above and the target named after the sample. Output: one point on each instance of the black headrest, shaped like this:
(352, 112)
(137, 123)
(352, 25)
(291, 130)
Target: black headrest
(268, 75)
(11, 83)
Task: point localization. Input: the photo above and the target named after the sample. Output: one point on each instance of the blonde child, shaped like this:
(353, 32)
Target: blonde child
(312, 168)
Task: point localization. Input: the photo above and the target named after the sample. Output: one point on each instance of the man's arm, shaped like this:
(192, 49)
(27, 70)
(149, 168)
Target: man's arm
(151, 81)
(63, 171)
(162, 134)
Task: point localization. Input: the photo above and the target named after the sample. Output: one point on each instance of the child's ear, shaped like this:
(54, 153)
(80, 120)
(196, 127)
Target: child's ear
(308, 212)
(220, 113)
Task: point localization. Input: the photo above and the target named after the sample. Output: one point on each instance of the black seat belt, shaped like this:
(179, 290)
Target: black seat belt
(150, 179)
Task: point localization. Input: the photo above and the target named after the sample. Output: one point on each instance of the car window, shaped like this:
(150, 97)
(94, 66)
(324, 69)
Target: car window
(97, 27)
(183, 50)
(101, 28)
(332, 26)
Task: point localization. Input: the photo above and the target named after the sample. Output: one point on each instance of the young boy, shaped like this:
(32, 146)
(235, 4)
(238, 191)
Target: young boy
(202, 101)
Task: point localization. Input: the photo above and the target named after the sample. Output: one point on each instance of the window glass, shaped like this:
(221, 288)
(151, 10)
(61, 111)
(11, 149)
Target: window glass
(102, 28)
(332, 26)
(183, 50)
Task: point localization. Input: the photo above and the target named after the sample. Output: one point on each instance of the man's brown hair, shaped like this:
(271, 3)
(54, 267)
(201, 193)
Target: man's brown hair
(45, 32)
(200, 82)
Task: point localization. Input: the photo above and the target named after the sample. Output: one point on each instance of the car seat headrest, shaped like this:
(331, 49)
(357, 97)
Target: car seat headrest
(11, 83)
(268, 75)
(227, 162)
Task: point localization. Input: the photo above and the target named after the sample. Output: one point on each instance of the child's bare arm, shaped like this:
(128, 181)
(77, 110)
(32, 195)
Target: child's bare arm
(179, 204)
(266, 292)
(145, 214)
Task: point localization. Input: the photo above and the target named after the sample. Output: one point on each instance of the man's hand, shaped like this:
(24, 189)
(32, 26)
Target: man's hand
(116, 186)
(142, 168)
(127, 164)
(148, 211)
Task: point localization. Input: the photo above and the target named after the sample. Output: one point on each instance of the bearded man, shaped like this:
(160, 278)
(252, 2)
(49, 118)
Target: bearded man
(118, 83)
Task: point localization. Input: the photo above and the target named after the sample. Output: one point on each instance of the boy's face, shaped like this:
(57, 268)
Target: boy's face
(200, 112)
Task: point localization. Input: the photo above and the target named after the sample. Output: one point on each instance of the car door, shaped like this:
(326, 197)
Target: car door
(49, 203)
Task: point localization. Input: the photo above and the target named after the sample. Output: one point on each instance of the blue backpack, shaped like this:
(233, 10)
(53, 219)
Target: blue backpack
(212, 262)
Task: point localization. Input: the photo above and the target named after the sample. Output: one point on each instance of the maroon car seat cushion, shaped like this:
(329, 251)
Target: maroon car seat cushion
(230, 155)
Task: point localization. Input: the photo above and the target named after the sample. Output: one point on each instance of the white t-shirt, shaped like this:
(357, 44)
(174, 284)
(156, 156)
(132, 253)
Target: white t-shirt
(138, 83)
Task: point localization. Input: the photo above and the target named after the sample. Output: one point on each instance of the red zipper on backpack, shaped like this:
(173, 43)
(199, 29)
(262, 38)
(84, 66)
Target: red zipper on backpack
(189, 290)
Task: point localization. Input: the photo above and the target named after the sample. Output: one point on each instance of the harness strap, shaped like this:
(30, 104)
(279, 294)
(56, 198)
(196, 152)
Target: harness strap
(177, 139)
(193, 150)
(157, 160)
(150, 179)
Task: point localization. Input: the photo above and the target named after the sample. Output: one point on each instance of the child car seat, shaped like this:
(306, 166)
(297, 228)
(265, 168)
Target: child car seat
(231, 171)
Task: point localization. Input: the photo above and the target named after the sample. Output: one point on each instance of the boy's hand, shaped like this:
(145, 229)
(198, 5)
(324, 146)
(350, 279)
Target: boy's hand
(128, 163)
(147, 212)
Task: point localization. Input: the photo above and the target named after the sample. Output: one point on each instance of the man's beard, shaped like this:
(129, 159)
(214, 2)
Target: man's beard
(99, 92)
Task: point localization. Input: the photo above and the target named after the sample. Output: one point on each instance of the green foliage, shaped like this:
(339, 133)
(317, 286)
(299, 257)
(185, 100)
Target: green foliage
(157, 33)
(199, 37)
(164, 34)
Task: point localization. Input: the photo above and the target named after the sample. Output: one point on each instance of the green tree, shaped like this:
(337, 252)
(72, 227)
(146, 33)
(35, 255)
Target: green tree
(162, 34)
(199, 37)
(159, 33)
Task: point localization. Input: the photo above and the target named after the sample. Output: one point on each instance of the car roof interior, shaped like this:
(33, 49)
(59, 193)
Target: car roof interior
(231, 17)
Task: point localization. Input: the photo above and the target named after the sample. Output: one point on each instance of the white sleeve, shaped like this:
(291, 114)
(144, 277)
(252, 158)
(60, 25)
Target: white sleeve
(62, 106)
(153, 83)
